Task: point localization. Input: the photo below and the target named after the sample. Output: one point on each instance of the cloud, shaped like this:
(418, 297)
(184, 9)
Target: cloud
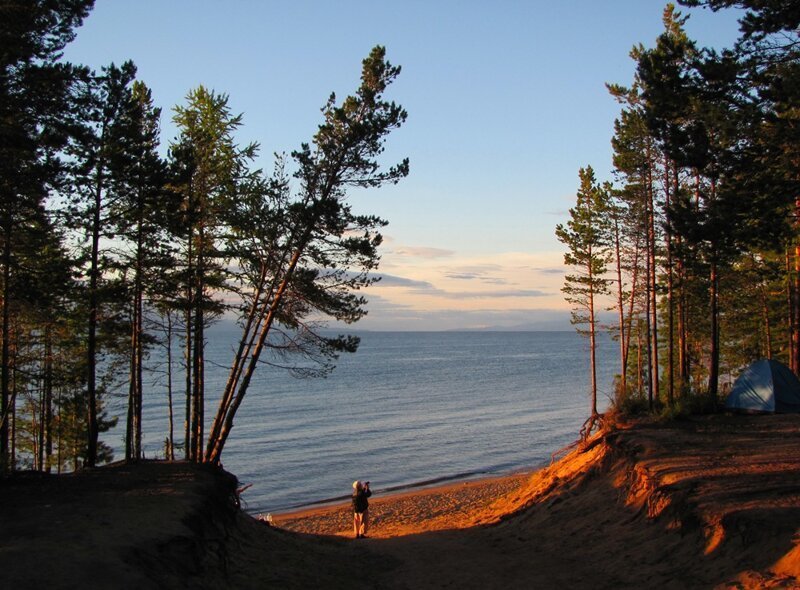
(427, 288)
(422, 252)
(486, 273)
(440, 291)
(395, 281)
(494, 294)
(550, 271)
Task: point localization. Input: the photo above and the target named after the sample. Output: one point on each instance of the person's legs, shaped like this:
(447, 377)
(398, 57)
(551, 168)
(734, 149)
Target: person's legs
(364, 522)
(357, 523)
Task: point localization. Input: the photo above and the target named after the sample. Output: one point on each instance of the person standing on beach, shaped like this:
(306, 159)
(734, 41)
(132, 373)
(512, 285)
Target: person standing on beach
(361, 492)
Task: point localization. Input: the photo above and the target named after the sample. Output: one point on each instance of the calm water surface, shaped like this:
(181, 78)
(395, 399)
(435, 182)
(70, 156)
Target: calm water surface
(406, 408)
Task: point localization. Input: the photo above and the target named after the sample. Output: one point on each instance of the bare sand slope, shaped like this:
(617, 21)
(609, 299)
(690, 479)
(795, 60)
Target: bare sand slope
(700, 503)
(703, 503)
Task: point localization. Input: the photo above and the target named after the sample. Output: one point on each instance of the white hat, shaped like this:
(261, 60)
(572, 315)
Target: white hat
(356, 484)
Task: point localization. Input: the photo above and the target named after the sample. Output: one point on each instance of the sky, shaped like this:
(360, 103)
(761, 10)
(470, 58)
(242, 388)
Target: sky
(506, 100)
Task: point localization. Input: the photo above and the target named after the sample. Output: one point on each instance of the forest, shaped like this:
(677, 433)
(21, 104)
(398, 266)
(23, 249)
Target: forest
(114, 248)
(695, 245)
(111, 251)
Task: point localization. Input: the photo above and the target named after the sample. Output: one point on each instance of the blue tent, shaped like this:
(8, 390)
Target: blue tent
(765, 386)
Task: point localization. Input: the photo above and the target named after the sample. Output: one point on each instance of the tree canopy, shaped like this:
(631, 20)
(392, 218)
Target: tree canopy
(110, 249)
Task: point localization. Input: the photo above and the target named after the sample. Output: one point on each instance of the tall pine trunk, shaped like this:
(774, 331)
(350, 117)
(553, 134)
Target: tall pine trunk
(796, 300)
(713, 371)
(652, 279)
(623, 351)
(170, 414)
(91, 346)
(592, 345)
(767, 322)
(670, 284)
(5, 377)
(188, 348)
(683, 338)
(198, 361)
(48, 397)
(791, 304)
(138, 330)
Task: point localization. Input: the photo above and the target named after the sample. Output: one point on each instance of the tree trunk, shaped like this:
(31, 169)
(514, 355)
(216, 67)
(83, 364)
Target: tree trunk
(648, 329)
(216, 445)
(198, 404)
(713, 371)
(670, 287)
(653, 279)
(767, 323)
(631, 304)
(5, 395)
(48, 397)
(40, 431)
(198, 359)
(138, 330)
(683, 336)
(623, 352)
(130, 428)
(91, 348)
(796, 304)
(188, 355)
(171, 447)
(13, 454)
(592, 348)
(639, 361)
(790, 306)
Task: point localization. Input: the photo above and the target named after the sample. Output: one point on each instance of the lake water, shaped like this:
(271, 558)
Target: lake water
(406, 409)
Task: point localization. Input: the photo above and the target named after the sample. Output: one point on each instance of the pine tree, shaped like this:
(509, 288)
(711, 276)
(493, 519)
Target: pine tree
(34, 96)
(586, 236)
(140, 219)
(96, 161)
(309, 255)
(212, 163)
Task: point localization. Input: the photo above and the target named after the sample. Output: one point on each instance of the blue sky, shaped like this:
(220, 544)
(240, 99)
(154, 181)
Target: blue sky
(506, 101)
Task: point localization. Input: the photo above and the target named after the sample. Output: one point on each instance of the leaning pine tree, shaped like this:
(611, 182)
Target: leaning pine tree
(586, 237)
(303, 256)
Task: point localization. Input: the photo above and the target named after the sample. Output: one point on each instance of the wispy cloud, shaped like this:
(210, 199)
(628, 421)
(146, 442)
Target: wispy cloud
(428, 288)
(486, 273)
(422, 252)
(553, 270)
(503, 289)
(395, 281)
(505, 294)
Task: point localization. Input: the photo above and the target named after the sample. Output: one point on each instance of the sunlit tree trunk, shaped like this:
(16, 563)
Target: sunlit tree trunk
(653, 285)
(791, 305)
(796, 299)
(670, 284)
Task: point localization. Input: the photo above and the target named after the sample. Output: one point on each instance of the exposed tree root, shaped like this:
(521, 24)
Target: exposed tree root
(593, 424)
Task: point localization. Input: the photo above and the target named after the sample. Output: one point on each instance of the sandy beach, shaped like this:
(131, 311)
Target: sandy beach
(709, 502)
(451, 506)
